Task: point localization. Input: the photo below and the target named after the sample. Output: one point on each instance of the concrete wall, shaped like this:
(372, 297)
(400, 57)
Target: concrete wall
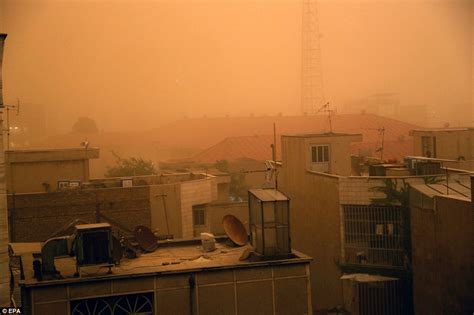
(315, 221)
(442, 254)
(34, 217)
(253, 290)
(339, 151)
(30, 170)
(166, 198)
(450, 144)
(29, 177)
(196, 192)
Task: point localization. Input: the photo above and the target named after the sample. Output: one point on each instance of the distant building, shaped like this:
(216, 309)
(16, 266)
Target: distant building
(358, 228)
(47, 170)
(326, 153)
(447, 143)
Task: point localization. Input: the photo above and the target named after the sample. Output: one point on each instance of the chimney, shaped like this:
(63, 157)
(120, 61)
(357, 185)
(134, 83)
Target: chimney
(4, 270)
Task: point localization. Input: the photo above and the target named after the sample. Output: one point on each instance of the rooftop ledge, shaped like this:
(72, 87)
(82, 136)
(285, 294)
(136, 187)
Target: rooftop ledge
(171, 257)
(50, 155)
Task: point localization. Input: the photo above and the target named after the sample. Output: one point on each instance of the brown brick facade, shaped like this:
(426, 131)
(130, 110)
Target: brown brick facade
(34, 217)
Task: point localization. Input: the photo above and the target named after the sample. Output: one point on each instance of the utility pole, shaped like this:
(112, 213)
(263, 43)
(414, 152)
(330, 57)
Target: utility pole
(312, 89)
(163, 196)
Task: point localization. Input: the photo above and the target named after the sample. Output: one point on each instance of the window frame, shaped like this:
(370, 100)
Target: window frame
(320, 157)
(201, 218)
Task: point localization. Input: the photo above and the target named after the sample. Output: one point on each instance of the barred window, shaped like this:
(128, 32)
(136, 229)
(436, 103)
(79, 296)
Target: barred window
(373, 234)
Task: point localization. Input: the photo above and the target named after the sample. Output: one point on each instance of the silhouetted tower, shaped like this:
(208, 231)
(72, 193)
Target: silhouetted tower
(312, 94)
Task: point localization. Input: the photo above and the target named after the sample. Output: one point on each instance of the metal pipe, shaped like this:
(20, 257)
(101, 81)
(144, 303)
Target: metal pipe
(4, 272)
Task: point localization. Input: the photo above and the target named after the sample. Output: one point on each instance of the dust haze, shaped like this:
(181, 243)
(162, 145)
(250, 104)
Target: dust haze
(135, 65)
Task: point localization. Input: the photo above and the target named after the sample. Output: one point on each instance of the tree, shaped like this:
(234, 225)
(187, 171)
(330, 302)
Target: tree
(222, 165)
(238, 186)
(130, 167)
(85, 125)
(238, 189)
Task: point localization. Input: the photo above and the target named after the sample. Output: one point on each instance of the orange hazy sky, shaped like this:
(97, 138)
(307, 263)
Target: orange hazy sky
(136, 64)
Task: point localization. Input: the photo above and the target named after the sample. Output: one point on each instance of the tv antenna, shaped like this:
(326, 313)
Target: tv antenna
(326, 108)
(9, 108)
(381, 132)
(272, 170)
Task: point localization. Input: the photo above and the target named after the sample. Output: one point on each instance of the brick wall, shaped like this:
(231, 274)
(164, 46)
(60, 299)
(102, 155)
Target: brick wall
(34, 217)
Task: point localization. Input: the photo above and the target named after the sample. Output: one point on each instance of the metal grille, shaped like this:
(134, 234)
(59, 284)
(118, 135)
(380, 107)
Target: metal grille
(380, 298)
(373, 235)
(117, 305)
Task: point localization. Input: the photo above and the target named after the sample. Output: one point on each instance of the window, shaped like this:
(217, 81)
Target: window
(374, 234)
(62, 184)
(320, 153)
(428, 146)
(199, 215)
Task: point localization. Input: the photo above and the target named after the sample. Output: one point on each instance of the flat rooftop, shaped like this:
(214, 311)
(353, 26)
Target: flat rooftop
(170, 257)
(268, 194)
(460, 189)
(50, 155)
(442, 129)
(325, 134)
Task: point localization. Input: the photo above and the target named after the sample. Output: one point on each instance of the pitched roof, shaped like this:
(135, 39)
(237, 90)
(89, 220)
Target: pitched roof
(259, 148)
(249, 136)
(205, 132)
(397, 141)
(234, 148)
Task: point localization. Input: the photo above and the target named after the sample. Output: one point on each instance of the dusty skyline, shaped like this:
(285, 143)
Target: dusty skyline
(158, 61)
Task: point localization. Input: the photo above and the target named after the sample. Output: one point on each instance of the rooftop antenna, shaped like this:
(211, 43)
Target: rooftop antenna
(271, 166)
(327, 109)
(8, 108)
(381, 132)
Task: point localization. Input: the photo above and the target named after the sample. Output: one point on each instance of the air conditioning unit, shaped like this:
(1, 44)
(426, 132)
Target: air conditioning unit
(93, 245)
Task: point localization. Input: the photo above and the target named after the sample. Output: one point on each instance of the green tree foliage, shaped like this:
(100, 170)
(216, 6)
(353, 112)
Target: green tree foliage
(238, 189)
(85, 125)
(395, 193)
(222, 165)
(130, 167)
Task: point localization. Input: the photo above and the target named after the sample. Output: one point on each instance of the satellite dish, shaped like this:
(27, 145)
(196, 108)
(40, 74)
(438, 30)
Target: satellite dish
(145, 238)
(235, 230)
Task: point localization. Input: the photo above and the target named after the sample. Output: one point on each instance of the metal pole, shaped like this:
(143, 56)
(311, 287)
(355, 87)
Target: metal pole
(383, 140)
(447, 180)
(274, 156)
(8, 127)
(166, 212)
